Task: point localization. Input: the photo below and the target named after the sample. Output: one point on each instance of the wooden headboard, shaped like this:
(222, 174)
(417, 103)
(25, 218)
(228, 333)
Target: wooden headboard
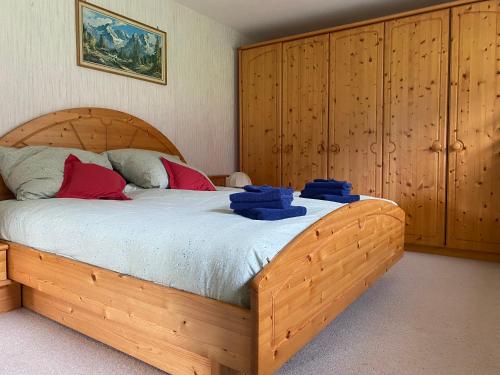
(92, 129)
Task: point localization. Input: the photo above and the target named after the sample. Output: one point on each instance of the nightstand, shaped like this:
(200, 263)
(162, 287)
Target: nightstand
(10, 292)
(219, 180)
(3, 262)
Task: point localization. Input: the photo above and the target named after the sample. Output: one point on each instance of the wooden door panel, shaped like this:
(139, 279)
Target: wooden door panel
(416, 86)
(356, 112)
(260, 113)
(305, 110)
(474, 154)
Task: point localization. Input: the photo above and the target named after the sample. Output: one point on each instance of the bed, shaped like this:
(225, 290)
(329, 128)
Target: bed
(318, 271)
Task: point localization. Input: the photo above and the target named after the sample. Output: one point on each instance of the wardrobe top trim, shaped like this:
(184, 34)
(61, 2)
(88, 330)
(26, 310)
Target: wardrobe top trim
(362, 23)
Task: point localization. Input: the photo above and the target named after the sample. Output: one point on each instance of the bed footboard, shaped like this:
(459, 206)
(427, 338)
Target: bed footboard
(178, 332)
(319, 274)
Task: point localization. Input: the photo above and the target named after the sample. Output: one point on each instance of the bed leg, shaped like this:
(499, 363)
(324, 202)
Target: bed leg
(10, 296)
(218, 369)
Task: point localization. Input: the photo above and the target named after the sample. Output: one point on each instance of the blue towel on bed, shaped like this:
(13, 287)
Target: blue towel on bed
(327, 180)
(310, 192)
(257, 188)
(272, 213)
(336, 198)
(284, 202)
(261, 193)
(329, 184)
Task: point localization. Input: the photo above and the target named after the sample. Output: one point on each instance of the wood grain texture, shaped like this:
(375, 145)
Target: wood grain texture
(10, 296)
(154, 352)
(196, 109)
(416, 86)
(176, 331)
(474, 154)
(317, 275)
(3, 265)
(305, 110)
(460, 212)
(260, 113)
(356, 108)
(91, 129)
(218, 369)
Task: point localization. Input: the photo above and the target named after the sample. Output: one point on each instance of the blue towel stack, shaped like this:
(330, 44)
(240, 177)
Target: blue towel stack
(265, 203)
(329, 190)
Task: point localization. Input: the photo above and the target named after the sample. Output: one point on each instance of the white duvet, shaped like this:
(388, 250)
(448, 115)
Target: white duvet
(188, 240)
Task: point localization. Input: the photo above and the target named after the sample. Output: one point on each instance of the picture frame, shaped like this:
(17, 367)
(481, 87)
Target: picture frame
(110, 42)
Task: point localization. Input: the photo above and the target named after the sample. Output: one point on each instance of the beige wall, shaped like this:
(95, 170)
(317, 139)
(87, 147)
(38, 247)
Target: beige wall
(197, 109)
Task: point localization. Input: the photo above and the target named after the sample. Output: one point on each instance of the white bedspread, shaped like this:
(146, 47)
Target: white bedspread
(187, 240)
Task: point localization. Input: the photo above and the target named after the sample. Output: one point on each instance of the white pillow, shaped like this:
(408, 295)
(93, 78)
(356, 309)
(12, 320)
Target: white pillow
(141, 167)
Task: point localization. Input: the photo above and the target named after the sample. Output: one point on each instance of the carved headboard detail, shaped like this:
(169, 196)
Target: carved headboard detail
(91, 129)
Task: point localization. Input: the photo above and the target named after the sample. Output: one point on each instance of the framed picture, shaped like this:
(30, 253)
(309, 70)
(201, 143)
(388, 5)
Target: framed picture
(113, 43)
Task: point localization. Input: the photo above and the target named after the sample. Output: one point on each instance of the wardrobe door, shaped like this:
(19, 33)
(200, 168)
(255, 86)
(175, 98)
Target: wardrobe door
(474, 152)
(416, 86)
(305, 110)
(356, 112)
(260, 113)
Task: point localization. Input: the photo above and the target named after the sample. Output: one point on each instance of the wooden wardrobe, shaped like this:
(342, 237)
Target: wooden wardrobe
(406, 107)
(473, 220)
(415, 121)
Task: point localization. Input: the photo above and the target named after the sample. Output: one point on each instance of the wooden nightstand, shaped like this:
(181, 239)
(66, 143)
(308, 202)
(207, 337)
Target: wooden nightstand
(10, 292)
(3, 262)
(219, 180)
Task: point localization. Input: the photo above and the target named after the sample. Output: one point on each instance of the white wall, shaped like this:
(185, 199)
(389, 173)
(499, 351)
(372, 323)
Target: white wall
(197, 110)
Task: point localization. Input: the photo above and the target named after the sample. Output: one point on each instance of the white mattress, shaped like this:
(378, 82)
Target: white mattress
(188, 240)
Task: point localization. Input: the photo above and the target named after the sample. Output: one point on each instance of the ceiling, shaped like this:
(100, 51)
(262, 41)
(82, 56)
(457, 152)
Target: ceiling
(266, 19)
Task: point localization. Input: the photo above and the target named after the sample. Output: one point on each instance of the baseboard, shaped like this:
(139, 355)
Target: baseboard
(459, 253)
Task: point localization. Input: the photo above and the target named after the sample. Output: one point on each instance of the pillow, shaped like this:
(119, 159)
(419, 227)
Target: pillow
(183, 177)
(36, 172)
(90, 181)
(131, 188)
(141, 167)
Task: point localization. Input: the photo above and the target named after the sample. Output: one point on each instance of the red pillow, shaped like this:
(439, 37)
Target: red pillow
(185, 178)
(90, 181)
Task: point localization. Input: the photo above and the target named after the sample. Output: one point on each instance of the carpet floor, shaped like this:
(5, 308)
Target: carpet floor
(428, 315)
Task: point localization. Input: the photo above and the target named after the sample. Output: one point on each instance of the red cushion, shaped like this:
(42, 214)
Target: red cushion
(185, 178)
(90, 181)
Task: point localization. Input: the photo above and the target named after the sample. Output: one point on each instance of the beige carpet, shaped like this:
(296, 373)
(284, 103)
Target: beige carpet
(429, 315)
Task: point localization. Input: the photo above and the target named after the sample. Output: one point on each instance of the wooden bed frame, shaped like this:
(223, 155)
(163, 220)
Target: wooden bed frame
(311, 281)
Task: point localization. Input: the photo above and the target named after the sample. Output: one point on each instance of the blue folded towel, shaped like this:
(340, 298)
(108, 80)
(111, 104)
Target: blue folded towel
(310, 192)
(329, 184)
(329, 180)
(257, 188)
(261, 193)
(284, 202)
(336, 198)
(272, 213)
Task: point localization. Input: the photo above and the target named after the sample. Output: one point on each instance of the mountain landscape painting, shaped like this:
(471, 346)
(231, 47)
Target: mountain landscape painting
(117, 44)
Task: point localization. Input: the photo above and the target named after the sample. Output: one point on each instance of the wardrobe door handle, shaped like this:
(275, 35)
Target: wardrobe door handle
(393, 147)
(436, 146)
(334, 148)
(321, 148)
(457, 146)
